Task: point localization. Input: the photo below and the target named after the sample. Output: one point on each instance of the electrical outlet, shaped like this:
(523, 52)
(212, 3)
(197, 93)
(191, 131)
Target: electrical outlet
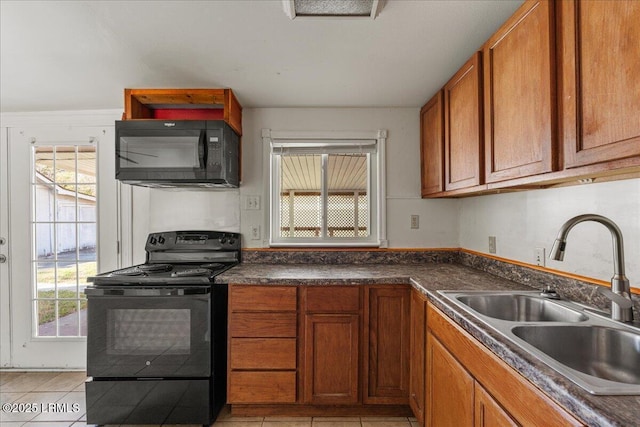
(539, 256)
(492, 244)
(415, 221)
(252, 203)
(255, 232)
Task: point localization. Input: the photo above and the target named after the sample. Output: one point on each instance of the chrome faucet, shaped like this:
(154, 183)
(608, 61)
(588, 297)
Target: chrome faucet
(620, 294)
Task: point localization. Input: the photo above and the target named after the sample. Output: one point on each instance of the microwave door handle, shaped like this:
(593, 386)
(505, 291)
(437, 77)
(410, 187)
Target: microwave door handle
(203, 149)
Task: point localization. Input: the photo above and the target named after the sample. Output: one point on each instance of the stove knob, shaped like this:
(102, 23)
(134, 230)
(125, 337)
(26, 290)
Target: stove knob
(223, 240)
(153, 240)
(232, 240)
(161, 240)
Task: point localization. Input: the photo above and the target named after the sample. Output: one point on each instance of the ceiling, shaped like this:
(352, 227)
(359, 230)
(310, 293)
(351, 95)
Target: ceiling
(346, 172)
(77, 55)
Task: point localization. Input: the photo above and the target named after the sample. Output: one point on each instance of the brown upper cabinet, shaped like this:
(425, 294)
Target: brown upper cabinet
(559, 91)
(519, 95)
(463, 140)
(432, 146)
(599, 81)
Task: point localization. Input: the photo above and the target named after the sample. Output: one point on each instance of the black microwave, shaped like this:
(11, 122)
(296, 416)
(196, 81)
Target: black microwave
(180, 153)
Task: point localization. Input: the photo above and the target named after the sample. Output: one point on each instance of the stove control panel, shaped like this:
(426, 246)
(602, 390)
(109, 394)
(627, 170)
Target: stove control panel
(192, 240)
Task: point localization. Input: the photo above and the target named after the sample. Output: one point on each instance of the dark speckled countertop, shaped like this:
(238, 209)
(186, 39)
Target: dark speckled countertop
(428, 278)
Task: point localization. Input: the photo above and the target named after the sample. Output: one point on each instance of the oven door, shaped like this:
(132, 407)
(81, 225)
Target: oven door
(149, 332)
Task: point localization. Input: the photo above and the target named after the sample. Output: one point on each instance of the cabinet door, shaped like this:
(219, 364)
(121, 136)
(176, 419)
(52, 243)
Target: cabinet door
(331, 352)
(488, 413)
(600, 83)
(387, 364)
(463, 139)
(417, 344)
(449, 388)
(432, 146)
(519, 95)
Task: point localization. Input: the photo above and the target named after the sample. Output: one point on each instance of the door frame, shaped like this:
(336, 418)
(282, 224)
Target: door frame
(14, 340)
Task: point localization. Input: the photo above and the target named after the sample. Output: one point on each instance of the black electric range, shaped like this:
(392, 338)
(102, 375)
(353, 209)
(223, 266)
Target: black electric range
(156, 341)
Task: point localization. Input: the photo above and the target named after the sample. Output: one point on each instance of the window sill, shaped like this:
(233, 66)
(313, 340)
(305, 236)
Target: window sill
(345, 245)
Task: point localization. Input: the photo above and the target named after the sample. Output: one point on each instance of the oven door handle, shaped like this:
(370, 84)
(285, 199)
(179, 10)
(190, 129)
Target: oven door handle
(146, 292)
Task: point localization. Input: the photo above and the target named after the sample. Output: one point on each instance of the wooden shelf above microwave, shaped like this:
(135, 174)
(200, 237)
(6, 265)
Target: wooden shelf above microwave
(183, 104)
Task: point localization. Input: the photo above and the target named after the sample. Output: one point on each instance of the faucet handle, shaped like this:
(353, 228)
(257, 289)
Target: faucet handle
(622, 301)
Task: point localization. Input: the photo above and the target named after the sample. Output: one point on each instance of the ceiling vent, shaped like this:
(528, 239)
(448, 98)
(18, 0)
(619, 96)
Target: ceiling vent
(332, 8)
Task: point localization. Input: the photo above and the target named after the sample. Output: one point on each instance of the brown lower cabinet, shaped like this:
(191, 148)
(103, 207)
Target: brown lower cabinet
(467, 385)
(332, 340)
(262, 350)
(331, 354)
(417, 354)
(369, 349)
(387, 323)
(319, 350)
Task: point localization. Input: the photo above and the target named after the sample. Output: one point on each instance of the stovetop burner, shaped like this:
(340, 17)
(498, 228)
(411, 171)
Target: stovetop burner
(143, 270)
(177, 258)
(192, 272)
(212, 265)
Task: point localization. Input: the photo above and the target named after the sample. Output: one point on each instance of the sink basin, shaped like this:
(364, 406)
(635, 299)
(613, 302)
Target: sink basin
(602, 352)
(594, 352)
(520, 308)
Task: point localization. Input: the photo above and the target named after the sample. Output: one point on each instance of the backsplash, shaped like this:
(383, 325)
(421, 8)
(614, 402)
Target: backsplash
(356, 256)
(573, 289)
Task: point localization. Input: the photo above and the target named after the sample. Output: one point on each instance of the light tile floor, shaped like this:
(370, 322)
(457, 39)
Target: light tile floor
(67, 388)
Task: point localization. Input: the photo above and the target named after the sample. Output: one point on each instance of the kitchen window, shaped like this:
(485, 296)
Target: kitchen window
(327, 188)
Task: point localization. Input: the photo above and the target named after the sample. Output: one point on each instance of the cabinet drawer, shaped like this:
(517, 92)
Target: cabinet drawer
(263, 353)
(333, 299)
(263, 298)
(263, 325)
(262, 387)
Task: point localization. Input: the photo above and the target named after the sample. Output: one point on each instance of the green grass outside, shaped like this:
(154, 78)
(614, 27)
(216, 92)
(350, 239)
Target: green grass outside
(67, 299)
(67, 274)
(47, 307)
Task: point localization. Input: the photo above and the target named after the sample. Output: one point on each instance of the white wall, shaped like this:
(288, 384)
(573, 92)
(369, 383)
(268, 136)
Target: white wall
(520, 221)
(438, 218)
(156, 210)
(527, 220)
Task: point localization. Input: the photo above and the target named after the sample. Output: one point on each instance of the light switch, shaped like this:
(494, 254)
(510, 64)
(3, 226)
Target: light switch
(252, 203)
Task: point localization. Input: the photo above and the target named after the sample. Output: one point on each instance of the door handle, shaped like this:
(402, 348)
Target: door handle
(3, 258)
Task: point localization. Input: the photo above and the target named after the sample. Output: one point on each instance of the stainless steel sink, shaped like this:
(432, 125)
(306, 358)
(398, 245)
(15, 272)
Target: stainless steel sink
(598, 354)
(521, 308)
(602, 352)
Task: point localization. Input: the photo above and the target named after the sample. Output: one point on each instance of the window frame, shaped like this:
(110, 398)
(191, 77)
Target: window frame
(329, 142)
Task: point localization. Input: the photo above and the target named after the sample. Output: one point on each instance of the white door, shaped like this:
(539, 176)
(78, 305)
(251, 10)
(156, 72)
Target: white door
(63, 226)
(5, 319)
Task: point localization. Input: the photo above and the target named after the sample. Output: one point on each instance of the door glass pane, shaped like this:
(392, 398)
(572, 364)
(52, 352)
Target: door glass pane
(65, 164)
(47, 324)
(346, 195)
(159, 151)
(64, 238)
(44, 202)
(67, 279)
(43, 163)
(68, 317)
(44, 241)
